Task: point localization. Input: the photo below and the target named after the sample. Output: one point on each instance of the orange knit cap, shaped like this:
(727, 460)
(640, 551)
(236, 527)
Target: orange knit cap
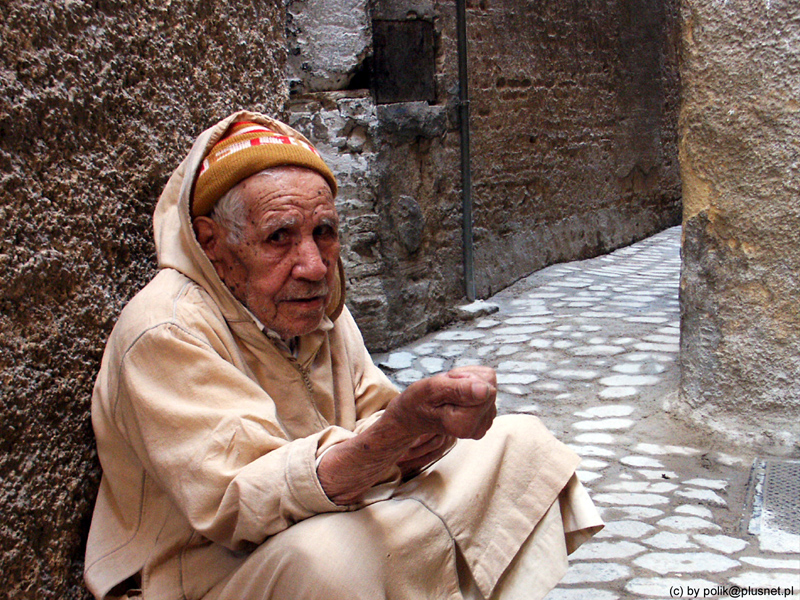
(246, 149)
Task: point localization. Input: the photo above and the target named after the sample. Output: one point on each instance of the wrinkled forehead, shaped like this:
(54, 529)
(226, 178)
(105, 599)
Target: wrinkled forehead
(279, 190)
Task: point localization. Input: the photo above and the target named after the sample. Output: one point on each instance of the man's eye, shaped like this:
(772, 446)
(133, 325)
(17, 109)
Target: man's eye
(278, 237)
(325, 231)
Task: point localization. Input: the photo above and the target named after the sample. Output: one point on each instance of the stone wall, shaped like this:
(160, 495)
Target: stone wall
(574, 146)
(327, 41)
(574, 130)
(740, 162)
(399, 209)
(397, 166)
(98, 103)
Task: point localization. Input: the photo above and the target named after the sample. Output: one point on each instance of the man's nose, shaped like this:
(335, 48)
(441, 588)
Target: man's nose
(309, 264)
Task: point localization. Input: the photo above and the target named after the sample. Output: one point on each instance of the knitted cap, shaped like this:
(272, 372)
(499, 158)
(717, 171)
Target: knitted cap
(244, 150)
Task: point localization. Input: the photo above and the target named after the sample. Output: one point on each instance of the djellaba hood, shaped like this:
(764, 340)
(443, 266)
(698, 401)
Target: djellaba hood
(176, 245)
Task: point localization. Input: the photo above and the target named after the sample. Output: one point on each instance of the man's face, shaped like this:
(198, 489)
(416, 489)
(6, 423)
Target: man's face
(283, 269)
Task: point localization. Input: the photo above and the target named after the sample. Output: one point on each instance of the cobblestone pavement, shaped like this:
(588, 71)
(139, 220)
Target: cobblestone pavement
(591, 348)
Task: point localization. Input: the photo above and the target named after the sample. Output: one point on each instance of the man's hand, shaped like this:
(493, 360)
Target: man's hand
(426, 450)
(459, 403)
(416, 428)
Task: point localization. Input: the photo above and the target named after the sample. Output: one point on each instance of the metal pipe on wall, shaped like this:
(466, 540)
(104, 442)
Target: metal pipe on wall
(466, 173)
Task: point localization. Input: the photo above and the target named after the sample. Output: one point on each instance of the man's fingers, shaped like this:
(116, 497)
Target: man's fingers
(459, 403)
(483, 387)
(486, 373)
(466, 391)
(468, 422)
(463, 385)
(423, 445)
(481, 391)
(485, 424)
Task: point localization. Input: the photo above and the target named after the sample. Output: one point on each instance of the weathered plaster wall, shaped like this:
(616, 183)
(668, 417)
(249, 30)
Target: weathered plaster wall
(740, 162)
(98, 103)
(399, 196)
(574, 130)
(344, 127)
(328, 41)
(399, 209)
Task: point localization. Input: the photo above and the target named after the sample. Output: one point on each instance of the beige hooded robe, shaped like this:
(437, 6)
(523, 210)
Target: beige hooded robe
(208, 432)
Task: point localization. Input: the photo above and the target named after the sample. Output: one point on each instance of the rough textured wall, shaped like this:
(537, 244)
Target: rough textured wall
(740, 163)
(574, 120)
(327, 40)
(344, 128)
(98, 103)
(419, 199)
(399, 196)
(400, 217)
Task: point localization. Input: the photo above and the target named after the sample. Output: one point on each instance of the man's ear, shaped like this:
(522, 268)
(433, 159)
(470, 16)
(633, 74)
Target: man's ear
(208, 234)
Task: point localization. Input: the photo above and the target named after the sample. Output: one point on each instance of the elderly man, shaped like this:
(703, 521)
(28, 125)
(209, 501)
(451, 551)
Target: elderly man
(250, 448)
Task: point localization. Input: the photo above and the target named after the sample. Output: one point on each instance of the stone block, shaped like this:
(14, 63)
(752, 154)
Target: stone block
(328, 40)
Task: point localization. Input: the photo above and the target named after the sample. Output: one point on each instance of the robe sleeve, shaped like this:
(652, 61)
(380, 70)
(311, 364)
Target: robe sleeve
(211, 439)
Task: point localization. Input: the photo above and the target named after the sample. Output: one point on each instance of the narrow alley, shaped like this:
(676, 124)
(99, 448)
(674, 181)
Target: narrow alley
(591, 348)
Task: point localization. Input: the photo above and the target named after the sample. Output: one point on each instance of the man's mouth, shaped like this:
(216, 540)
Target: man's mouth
(308, 301)
(310, 298)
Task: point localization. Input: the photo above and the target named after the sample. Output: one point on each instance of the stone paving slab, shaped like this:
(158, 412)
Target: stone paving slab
(591, 348)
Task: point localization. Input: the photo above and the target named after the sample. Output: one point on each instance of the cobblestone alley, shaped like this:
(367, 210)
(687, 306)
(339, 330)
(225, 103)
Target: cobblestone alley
(591, 347)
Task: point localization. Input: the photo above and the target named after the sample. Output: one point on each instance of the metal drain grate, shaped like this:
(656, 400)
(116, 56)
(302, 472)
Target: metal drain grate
(782, 496)
(775, 499)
